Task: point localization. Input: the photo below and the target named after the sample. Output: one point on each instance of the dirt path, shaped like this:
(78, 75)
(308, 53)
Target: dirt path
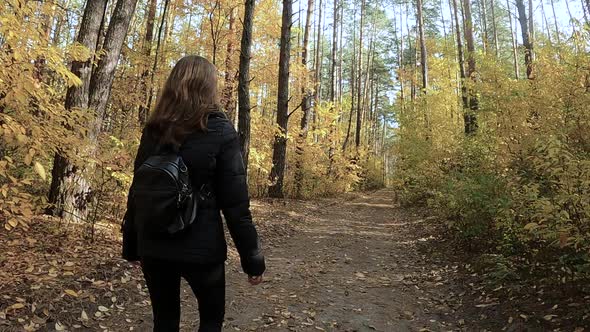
(358, 263)
(351, 266)
(336, 265)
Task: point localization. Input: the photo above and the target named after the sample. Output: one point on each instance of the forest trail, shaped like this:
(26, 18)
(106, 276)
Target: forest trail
(358, 262)
(350, 266)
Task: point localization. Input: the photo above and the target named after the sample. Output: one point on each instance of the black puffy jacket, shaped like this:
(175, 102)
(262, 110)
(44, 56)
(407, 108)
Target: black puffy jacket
(214, 160)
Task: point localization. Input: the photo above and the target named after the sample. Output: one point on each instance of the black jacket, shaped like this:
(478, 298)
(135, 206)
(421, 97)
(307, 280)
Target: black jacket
(214, 160)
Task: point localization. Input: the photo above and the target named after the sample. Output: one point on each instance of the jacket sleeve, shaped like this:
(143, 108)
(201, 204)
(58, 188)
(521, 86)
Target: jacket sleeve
(231, 191)
(128, 228)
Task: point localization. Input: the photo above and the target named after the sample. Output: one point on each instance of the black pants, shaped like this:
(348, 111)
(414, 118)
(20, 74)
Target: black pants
(163, 282)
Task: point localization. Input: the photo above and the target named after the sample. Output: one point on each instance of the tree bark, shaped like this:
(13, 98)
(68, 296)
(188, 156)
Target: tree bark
(556, 26)
(333, 95)
(228, 89)
(147, 51)
(244, 81)
(359, 106)
(400, 58)
(526, 41)
(460, 57)
(277, 173)
(352, 82)
(215, 29)
(470, 114)
(423, 55)
(494, 26)
(340, 53)
(333, 91)
(513, 39)
(305, 105)
(159, 46)
(484, 19)
(546, 21)
(318, 58)
(103, 76)
(65, 174)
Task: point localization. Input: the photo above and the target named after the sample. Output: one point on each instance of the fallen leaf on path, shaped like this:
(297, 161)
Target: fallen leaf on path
(16, 306)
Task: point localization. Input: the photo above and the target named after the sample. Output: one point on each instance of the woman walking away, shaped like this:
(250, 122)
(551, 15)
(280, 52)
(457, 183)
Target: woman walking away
(189, 169)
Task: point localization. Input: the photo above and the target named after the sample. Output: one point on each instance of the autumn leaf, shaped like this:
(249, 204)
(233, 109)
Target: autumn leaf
(40, 171)
(16, 306)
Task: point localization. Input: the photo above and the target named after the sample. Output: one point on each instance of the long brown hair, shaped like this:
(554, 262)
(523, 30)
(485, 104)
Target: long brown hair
(187, 98)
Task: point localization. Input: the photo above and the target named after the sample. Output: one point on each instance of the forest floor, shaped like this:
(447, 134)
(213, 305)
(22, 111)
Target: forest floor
(354, 263)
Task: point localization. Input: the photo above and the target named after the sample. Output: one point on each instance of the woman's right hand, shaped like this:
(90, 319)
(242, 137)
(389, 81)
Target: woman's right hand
(255, 280)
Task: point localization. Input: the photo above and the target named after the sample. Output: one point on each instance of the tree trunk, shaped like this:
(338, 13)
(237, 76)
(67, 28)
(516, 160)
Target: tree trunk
(526, 41)
(494, 26)
(279, 157)
(305, 105)
(352, 82)
(65, 174)
(159, 46)
(423, 55)
(333, 91)
(340, 54)
(546, 21)
(470, 117)
(556, 26)
(460, 59)
(532, 27)
(359, 106)
(244, 81)
(318, 60)
(214, 29)
(147, 51)
(333, 95)
(513, 39)
(99, 93)
(484, 19)
(400, 58)
(228, 89)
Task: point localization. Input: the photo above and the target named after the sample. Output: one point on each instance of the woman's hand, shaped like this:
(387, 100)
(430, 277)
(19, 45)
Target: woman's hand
(255, 280)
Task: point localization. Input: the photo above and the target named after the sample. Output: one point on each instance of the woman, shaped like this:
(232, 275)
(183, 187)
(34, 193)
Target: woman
(188, 119)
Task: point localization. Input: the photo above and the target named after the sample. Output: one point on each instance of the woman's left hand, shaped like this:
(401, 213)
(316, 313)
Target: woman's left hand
(255, 280)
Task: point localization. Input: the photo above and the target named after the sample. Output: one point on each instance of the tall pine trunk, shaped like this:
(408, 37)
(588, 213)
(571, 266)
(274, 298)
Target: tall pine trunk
(333, 91)
(147, 51)
(305, 105)
(352, 82)
(513, 39)
(277, 173)
(461, 60)
(484, 20)
(157, 57)
(495, 27)
(244, 81)
(423, 54)
(470, 114)
(556, 25)
(526, 40)
(359, 104)
(228, 89)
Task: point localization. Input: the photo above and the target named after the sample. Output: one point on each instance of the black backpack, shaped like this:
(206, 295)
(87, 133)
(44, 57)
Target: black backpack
(163, 197)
